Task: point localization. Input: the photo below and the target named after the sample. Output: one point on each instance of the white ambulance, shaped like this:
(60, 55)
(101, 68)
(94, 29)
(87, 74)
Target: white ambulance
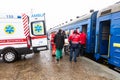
(14, 37)
(38, 32)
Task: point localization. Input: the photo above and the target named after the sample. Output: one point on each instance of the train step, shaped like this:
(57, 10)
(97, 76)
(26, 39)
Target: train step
(105, 56)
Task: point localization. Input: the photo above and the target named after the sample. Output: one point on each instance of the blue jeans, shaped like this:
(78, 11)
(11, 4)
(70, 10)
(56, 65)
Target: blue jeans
(73, 53)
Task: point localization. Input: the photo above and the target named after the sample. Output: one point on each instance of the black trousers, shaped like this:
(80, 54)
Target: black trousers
(79, 48)
(82, 49)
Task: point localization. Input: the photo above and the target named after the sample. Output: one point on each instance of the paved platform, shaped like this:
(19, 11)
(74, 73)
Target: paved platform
(42, 66)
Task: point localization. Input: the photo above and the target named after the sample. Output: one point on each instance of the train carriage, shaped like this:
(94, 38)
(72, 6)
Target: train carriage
(86, 23)
(108, 35)
(103, 33)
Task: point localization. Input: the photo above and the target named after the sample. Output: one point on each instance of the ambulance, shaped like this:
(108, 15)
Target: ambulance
(14, 37)
(38, 32)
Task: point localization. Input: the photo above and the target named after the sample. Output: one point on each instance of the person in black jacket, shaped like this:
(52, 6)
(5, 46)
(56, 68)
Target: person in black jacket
(59, 42)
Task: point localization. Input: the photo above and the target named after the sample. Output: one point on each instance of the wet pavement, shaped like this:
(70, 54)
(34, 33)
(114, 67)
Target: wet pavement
(42, 66)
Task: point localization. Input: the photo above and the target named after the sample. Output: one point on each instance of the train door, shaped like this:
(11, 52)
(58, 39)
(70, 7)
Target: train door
(84, 28)
(104, 30)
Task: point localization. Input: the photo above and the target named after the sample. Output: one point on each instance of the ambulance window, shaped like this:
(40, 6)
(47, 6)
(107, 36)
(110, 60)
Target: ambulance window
(38, 28)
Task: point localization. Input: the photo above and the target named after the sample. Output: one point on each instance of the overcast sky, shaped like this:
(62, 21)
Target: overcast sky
(57, 11)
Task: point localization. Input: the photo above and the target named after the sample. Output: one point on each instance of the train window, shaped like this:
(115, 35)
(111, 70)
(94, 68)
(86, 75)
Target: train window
(105, 12)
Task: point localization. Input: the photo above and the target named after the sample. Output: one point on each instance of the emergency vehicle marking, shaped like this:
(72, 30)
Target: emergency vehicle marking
(9, 29)
(13, 41)
(25, 24)
(38, 28)
(38, 15)
(11, 44)
(37, 37)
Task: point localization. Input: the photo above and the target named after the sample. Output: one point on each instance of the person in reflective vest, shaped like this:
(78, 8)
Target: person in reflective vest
(82, 42)
(74, 40)
(53, 44)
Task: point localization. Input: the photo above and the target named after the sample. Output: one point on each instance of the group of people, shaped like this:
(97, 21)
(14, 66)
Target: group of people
(57, 42)
(76, 40)
(77, 43)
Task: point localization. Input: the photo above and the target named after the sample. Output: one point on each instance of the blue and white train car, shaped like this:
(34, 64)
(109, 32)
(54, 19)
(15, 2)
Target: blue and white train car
(107, 44)
(86, 23)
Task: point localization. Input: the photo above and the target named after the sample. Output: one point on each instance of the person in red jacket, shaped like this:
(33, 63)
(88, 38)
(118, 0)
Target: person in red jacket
(53, 44)
(82, 42)
(74, 40)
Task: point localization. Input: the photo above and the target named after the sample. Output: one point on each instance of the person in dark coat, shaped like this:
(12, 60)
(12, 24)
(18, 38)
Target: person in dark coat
(59, 42)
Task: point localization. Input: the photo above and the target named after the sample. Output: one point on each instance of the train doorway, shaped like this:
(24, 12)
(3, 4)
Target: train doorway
(84, 28)
(104, 38)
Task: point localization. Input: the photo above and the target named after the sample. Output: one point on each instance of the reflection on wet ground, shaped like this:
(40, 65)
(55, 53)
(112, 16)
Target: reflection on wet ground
(42, 66)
